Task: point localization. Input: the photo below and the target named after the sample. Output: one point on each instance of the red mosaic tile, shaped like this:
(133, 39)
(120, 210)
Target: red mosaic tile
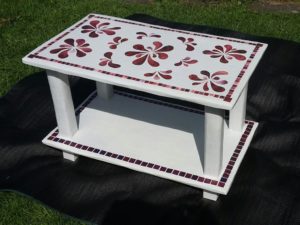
(138, 162)
(221, 184)
(126, 159)
(207, 181)
(214, 182)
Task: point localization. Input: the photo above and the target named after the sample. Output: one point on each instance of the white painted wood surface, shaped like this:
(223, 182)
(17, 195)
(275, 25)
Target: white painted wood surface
(238, 112)
(210, 195)
(105, 91)
(200, 68)
(63, 103)
(118, 54)
(153, 133)
(213, 141)
(70, 156)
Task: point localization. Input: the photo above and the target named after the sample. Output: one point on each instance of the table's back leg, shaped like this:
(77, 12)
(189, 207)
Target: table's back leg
(70, 156)
(238, 112)
(104, 91)
(210, 195)
(63, 106)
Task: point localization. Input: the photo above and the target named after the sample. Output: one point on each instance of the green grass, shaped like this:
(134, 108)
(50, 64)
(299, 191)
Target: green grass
(28, 23)
(16, 209)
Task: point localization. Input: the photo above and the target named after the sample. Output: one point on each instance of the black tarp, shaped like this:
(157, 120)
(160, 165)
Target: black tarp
(266, 189)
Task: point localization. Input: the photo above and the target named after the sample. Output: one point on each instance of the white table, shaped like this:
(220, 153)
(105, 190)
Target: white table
(201, 149)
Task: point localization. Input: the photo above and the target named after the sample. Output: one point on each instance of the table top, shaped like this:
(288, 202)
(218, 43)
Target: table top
(196, 67)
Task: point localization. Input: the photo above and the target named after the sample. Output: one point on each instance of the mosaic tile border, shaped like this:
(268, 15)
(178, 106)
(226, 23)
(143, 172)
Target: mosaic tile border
(220, 183)
(226, 98)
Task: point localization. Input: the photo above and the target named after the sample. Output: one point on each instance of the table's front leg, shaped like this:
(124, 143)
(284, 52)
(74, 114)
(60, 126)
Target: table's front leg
(63, 106)
(213, 145)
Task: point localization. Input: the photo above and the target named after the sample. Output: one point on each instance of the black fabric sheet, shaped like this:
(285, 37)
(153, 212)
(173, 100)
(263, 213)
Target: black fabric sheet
(265, 191)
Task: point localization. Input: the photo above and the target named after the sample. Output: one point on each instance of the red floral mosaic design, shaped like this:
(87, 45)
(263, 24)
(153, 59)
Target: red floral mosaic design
(226, 53)
(227, 98)
(186, 62)
(71, 46)
(141, 35)
(149, 54)
(189, 42)
(210, 80)
(96, 27)
(116, 42)
(160, 74)
(107, 61)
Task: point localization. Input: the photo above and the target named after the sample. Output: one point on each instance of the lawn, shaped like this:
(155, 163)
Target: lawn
(16, 209)
(28, 23)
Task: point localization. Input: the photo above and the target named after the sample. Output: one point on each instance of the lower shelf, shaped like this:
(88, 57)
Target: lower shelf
(152, 136)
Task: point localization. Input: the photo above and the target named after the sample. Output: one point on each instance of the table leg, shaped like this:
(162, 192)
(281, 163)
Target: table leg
(63, 106)
(70, 156)
(213, 145)
(238, 112)
(104, 91)
(209, 195)
(213, 141)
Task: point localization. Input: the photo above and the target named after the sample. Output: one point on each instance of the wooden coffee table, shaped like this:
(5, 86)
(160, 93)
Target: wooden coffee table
(198, 148)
